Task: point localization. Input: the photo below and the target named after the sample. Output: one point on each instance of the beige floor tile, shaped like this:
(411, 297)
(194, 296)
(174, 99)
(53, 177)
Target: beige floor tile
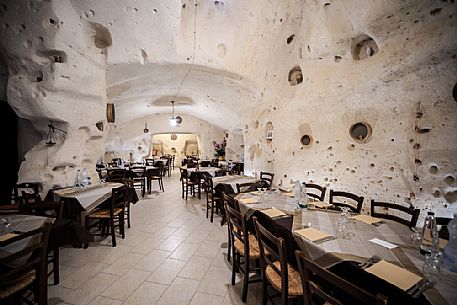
(208, 248)
(126, 285)
(147, 246)
(148, 293)
(216, 281)
(82, 275)
(170, 244)
(166, 272)
(57, 294)
(106, 254)
(123, 264)
(105, 301)
(185, 251)
(180, 292)
(196, 268)
(206, 299)
(197, 236)
(163, 233)
(151, 261)
(89, 290)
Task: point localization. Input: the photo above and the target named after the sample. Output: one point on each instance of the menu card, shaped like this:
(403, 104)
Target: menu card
(248, 200)
(367, 219)
(312, 234)
(273, 212)
(320, 204)
(393, 274)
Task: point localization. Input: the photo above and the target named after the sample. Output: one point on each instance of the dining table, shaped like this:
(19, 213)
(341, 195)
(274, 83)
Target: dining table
(227, 184)
(356, 245)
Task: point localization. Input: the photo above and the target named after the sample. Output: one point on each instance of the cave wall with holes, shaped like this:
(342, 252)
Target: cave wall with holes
(56, 73)
(392, 67)
(126, 139)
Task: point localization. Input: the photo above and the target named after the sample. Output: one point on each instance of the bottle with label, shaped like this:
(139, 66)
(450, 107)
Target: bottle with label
(450, 251)
(78, 178)
(430, 240)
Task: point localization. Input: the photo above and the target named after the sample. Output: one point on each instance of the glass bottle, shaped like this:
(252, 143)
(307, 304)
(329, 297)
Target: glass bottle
(450, 251)
(85, 180)
(430, 240)
(78, 178)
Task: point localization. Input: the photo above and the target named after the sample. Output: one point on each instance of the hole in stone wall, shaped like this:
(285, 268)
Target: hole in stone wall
(102, 36)
(360, 132)
(306, 140)
(363, 46)
(56, 56)
(295, 76)
(110, 113)
(433, 169)
(290, 38)
(99, 125)
(449, 180)
(454, 92)
(269, 132)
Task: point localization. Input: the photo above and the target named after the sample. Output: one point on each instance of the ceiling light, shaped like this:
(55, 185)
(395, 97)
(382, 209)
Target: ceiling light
(174, 120)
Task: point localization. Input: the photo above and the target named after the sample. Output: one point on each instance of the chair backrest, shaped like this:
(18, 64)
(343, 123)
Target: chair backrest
(442, 223)
(231, 201)
(119, 197)
(319, 283)
(184, 174)
(149, 162)
(35, 206)
(276, 249)
(249, 186)
(268, 177)
(205, 163)
(357, 207)
(319, 194)
(237, 227)
(34, 256)
(137, 171)
(209, 186)
(28, 187)
(403, 210)
(116, 175)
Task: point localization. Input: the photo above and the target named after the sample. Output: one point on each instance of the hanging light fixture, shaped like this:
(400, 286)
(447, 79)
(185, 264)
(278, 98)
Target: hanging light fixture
(51, 138)
(174, 120)
(145, 130)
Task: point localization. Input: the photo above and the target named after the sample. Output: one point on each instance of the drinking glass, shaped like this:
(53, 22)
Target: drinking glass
(432, 265)
(416, 236)
(342, 223)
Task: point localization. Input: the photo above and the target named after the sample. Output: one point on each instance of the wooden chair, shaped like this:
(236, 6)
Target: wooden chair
(213, 201)
(139, 179)
(14, 203)
(156, 174)
(249, 186)
(233, 203)
(116, 175)
(205, 163)
(110, 215)
(243, 245)
(387, 207)
(442, 223)
(268, 178)
(319, 194)
(187, 185)
(322, 286)
(275, 270)
(31, 275)
(357, 207)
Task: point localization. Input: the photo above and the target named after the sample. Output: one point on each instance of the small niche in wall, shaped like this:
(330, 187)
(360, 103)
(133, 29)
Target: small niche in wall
(360, 132)
(363, 46)
(269, 132)
(173, 150)
(295, 76)
(99, 125)
(306, 140)
(110, 113)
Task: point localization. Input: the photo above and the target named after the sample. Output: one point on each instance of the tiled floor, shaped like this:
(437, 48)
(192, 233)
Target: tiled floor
(171, 255)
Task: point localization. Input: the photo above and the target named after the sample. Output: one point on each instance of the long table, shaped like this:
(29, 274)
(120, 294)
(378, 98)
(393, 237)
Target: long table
(358, 247)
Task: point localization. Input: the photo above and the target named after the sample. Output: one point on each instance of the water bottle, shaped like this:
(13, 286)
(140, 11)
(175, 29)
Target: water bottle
(78, 178)
(450, 251)
(304, 196)
(430, 240)
(297, 191)
(85, 180)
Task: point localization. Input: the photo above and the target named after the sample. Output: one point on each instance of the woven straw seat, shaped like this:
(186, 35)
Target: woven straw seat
(17, 284)
(295, 286)
(105, 213)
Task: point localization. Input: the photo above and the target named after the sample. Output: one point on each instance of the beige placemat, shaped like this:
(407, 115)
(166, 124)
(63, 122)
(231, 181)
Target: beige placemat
(273, 212)
(312, 234)
(248, 200)
(393, 274)
(320, 204)
(367, 219)
(7, 236)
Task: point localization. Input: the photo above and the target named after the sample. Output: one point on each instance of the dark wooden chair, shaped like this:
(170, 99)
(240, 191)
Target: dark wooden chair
(187, 185)
(268, 178)
(244, 246)
(137, 174)
(442, 223)
(213, 201)
(342, 201)
(317, 191)
(205, 163)
(13, 204)
(107, 217)
(229, 200)
(276, 272)
(155, 174)
(116, 175)
(381, 210)
(31, 275)
(250, 186)
(321, 286)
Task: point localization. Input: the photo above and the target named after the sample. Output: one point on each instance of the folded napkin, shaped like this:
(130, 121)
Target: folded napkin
(313, 234)
(393, 274)
(7, 236)
(288, 190)
(320, 204)
(367, 219)
(273, 212)
(248, 200)
(290, 194)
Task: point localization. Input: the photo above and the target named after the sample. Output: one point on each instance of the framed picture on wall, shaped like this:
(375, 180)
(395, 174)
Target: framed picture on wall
(270, 135)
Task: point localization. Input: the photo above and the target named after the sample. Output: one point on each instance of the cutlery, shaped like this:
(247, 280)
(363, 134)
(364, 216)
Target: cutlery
(374, 259)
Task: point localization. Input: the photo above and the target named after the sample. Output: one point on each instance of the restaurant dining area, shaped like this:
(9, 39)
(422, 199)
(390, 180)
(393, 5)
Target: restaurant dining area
(193, 152)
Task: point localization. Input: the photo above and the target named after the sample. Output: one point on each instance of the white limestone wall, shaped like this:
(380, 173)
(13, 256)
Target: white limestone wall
(126, 139)
(414, 71)
(179, 144)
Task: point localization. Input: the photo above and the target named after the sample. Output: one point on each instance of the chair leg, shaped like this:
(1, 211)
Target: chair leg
(55, 266)
(244, 296)
(233, 268)
(264, 289)
(212, 210)
(182, 187)
(113, 233)
(128, 214)
(229, 244)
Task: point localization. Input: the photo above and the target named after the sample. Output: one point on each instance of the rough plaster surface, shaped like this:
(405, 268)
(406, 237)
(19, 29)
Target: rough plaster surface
(228, 64)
